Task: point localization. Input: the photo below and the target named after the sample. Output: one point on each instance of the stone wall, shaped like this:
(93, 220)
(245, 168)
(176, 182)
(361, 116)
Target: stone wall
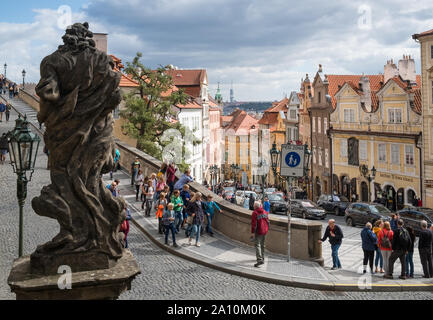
(30, 99)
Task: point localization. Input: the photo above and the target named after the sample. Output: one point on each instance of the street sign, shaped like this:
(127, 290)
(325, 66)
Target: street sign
(292, 160)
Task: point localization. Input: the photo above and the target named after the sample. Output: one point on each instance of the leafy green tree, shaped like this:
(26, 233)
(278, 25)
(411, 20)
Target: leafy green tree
(149, 112)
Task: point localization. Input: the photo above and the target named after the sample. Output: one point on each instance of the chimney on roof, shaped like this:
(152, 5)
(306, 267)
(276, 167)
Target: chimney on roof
(364, 85)
(390, 70)
(406, 69)
(101, 41)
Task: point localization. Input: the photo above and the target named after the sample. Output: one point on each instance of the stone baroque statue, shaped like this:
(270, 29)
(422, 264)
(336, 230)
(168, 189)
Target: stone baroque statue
(78, 91)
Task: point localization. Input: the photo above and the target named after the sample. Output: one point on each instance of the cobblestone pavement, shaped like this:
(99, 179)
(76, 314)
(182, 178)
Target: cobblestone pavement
(163, 276)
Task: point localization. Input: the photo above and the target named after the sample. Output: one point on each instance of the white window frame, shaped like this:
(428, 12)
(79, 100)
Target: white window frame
(343, 148)
(314, 155)
(349, 115)
(363, 150)
(409, 150)
(326, 158)
(395, 154)
(325, 125)
(320, 157)
(395, 115)
(319, 125)
(314, 124)
(381, 157)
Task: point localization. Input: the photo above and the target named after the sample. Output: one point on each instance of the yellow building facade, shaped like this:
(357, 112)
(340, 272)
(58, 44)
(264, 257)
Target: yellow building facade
(378, 125)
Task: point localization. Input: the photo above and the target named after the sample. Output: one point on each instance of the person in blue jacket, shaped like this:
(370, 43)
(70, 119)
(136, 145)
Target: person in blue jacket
(210, 209)
(267, 205)
(369, 242)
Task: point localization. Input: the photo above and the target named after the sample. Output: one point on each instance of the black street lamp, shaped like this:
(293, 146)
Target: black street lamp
(23, 147)
(24, 76)
(5, 65)
(370, 175)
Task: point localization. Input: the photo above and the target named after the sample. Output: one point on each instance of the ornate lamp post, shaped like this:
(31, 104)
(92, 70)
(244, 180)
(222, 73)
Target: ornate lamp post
(5, 66)
(23, 147)
(370, 175)
(24, 77)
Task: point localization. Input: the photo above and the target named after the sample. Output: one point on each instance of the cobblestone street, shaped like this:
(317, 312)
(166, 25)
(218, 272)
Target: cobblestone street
(163, 276)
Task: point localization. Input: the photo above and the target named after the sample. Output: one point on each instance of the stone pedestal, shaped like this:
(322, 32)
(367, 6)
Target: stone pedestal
(304, 238)
(106, 284)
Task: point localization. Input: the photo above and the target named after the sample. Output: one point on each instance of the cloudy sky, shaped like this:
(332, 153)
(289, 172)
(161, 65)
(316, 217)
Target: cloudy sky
(264, 46)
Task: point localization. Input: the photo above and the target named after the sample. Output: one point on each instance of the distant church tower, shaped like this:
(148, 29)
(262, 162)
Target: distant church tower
(232, 94)
(218, 96)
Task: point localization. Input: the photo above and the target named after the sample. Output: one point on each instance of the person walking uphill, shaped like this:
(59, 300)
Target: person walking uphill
(196, 208)
(171, 175)
(259, 230)
(369, 241)
(184, 179)
(335, 235)
(210, 209)
(168, 220)
(135, 166)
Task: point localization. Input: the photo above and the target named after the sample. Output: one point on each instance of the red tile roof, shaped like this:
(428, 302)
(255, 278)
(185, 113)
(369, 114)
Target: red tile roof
(422, 34)
(125, 81)
(187, 77)
(417, 103)
(337, 81)
(189, 105)
(279, 106)
(269, 118)
(242, 121)
(376, 83)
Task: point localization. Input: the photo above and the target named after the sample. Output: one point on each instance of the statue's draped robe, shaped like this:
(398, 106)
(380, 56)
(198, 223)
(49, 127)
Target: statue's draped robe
(78, 92)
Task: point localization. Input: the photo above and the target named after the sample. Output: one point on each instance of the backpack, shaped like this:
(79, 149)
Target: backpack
(2, 107)
(386, 243)
(404, 239)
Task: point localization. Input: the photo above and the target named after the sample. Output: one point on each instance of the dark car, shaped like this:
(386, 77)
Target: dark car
(333, 203)
(278, 205)
(359, 213)
(306, 209)
(412, 217)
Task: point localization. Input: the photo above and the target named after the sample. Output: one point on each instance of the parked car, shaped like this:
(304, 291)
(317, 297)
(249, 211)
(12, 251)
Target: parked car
(270, 190)
(241, 194)
(306, 209)
(278, 204)
(333, 203)
(412, 216)
(359, 213)
(256, 188)
(229, 193)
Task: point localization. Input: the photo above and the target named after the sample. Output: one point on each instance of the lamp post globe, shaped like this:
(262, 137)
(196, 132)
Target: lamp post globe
(24, 77)
(5, 66)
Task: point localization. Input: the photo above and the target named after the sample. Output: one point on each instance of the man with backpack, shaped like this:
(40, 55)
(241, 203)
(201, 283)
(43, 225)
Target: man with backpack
(259, 230)
(401, 242)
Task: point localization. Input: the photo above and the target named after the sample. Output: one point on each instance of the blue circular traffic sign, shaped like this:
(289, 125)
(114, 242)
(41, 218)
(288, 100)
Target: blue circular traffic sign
(293, 159)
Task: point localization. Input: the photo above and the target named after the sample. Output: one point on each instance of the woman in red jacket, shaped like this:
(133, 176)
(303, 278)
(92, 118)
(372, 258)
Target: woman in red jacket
(384, 242)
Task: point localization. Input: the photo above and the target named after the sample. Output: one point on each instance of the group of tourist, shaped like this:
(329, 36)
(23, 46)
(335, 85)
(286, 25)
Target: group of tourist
(176, 207)
(5, 86)
(388, 241)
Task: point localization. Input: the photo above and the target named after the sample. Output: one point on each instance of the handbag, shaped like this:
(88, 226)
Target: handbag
(189, 219)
